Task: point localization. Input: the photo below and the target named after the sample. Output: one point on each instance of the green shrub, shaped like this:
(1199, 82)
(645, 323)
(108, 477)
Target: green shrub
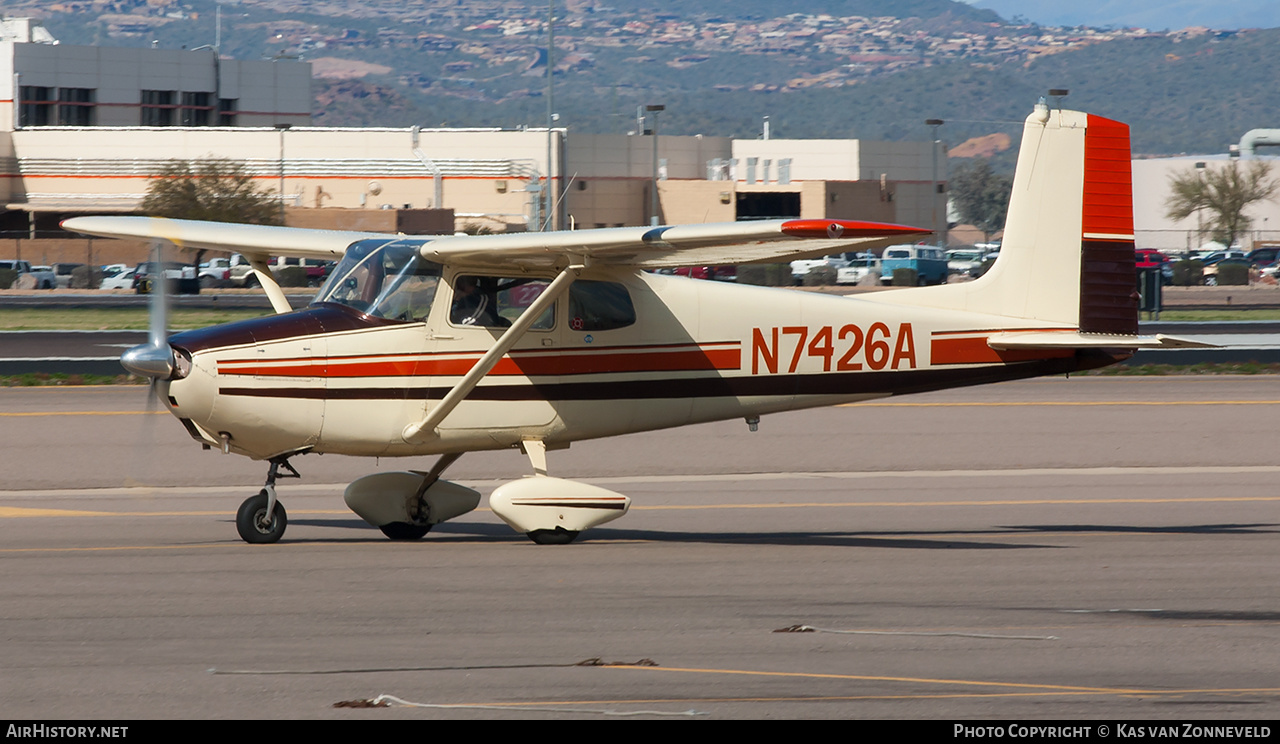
(765, 275)
(292, 276)
(7, 278)
(820, 276)
(1232, 274)
(86, 277)
(905, 277)
(1188, 273)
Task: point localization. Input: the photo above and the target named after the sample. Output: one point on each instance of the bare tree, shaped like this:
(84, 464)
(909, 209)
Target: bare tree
(980, 196)
(1223, 193)
(213, 189)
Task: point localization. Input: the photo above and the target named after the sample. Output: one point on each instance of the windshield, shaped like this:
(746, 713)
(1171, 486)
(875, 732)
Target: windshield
(383, 279)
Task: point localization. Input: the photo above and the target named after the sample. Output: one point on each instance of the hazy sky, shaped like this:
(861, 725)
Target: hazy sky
(1153, 14)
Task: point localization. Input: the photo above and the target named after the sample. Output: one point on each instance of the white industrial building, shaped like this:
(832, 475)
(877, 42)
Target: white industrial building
(1154, 229)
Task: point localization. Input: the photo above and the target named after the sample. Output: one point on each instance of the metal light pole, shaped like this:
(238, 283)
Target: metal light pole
(653, 196)
(939, 215)
(549, 193)
(1200, 166)
(281, 128)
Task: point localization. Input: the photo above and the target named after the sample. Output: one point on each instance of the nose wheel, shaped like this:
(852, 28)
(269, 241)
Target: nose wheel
(261, 518)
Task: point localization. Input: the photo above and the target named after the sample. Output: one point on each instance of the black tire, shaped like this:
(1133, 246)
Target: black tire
(250, 520)
(252, 282)
(558, 536)
(207, 282)
(405, 530)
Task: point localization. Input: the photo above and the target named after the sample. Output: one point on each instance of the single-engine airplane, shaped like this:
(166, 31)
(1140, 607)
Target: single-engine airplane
(445, 345)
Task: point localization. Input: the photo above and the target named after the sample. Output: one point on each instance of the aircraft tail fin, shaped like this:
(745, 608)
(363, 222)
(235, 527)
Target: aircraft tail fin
(1068, 251)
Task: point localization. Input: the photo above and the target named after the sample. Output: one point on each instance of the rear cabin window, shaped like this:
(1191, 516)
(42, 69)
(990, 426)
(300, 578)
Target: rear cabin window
(599, 306)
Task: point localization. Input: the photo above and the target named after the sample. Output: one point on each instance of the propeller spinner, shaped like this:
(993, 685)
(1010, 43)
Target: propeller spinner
(154, 359)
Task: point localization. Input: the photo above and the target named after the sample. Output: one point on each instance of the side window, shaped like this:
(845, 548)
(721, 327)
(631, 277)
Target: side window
(495, 302)
(599, 306)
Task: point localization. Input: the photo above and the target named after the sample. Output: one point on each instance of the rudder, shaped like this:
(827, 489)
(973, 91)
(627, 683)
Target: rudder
(1067, 256)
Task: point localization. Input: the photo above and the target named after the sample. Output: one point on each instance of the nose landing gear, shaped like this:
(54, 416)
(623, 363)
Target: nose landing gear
(261, 518)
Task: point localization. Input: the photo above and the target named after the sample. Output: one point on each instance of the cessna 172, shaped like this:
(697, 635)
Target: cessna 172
(445, 345)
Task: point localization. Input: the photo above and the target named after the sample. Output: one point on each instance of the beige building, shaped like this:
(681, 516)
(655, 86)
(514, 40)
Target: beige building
(1153, 227)
(83, 134)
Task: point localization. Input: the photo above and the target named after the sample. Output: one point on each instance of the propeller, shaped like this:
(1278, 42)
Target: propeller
(155, 358)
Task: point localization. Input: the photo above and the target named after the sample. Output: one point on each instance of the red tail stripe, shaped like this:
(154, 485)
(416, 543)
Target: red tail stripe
(1108, 178)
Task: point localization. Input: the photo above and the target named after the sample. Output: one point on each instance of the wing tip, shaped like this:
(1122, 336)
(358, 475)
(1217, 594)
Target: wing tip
(836, 229)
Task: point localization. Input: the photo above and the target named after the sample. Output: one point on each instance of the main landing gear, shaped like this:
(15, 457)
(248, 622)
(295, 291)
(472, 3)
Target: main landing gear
(553, 511)
(261, 518)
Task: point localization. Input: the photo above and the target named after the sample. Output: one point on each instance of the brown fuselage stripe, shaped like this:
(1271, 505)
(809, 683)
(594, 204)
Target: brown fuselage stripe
(612, 505)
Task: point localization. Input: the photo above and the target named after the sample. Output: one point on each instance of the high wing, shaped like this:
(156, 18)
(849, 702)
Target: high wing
(250, 240)
(670, 246)
(642, 247)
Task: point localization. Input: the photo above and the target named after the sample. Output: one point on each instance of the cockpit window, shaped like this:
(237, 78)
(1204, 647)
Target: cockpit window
(383, 279)
(494, 302)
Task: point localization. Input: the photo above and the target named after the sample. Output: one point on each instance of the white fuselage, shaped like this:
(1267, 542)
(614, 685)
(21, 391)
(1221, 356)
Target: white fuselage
(325, 379)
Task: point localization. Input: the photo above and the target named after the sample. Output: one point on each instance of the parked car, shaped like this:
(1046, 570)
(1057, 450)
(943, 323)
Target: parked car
(146, 271)
(1264, 256)
(714, 273)
(46, 271)
(62, 271)
(318, 270)
(1212, 257)
(214, 271)
(929, 262)
(237, 270)
(800, 268)
(43, 276)
(119, 280)
(865, 265)
(1147, 258)
(1211, 271)
(965, 261)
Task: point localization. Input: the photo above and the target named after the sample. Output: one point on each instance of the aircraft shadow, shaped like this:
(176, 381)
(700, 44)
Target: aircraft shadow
(798, 539)
(902, 540)
(473, 531)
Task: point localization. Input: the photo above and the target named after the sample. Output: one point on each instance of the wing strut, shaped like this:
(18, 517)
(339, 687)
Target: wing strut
(419, 432)
(268, 281)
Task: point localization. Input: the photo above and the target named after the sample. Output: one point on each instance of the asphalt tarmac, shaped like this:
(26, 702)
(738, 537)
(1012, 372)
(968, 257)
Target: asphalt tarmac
(1084, 548)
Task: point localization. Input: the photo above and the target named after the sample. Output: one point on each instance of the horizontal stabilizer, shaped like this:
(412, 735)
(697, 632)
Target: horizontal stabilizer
(1077, 340)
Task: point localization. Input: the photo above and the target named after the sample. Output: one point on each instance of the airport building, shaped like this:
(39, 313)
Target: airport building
(84, 129)
(1154, 228)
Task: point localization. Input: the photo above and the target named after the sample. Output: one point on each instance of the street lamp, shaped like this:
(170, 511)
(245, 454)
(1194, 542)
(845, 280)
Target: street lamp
(653, 196)
(281, 128)
(549, 195)
(939, 215)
